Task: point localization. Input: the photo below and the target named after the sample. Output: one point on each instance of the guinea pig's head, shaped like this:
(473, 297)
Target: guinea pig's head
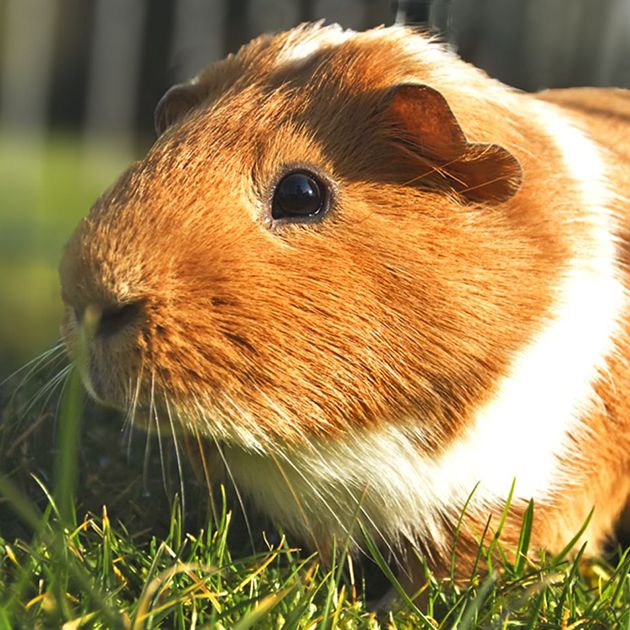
(312, 245)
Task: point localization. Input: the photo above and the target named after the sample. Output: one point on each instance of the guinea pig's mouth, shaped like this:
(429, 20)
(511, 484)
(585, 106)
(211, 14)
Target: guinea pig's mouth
(102, 383)
(104, 344)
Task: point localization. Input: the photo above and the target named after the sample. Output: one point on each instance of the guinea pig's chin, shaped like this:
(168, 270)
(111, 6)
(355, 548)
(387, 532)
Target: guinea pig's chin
(106, 371)
(105, 376)
(103, 385)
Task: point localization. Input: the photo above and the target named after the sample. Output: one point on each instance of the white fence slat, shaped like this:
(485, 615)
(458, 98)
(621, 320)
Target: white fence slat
(26, 57)
(114, 71)
(268, 16)
(349, 13)
(614, 65)
(198, 36)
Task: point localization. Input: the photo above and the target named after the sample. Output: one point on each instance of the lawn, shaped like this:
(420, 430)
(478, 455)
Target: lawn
(91, 529)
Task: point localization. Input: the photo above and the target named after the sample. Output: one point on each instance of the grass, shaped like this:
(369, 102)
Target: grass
(83, 550)
(91, 530)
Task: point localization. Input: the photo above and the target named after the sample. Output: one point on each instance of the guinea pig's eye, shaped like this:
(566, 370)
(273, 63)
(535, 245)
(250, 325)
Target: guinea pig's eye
(299, 195)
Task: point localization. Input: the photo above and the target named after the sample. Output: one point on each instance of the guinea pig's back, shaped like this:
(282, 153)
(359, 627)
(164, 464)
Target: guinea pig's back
(605, 116)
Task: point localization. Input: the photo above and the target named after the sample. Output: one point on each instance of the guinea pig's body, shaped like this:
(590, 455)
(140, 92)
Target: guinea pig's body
(449, 320)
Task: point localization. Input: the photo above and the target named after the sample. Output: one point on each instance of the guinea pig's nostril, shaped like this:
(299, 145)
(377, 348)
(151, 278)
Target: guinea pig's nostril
(115, 318)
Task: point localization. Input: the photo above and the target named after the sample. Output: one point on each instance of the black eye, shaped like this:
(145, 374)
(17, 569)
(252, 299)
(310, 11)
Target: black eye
(298, 195)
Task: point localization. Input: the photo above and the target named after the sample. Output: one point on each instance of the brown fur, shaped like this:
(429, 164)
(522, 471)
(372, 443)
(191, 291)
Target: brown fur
(410, 300)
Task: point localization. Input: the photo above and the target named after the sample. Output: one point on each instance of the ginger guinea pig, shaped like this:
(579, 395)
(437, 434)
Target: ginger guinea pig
(378, 280)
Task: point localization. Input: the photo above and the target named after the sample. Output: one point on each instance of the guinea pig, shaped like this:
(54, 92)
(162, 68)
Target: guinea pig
(385, 285)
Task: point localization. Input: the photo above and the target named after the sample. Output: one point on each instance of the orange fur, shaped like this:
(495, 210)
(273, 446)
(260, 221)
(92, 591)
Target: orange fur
(410, 301)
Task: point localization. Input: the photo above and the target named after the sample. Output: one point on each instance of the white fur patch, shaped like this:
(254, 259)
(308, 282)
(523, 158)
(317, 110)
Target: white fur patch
(523, 431)
(521, 434)
(316, 490)
(302, 45)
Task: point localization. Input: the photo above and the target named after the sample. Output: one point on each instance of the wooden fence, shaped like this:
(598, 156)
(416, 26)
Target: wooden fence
(100, 65)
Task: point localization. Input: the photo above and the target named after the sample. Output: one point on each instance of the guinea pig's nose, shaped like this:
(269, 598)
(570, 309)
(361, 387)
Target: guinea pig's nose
(110, 320)
(117, 318)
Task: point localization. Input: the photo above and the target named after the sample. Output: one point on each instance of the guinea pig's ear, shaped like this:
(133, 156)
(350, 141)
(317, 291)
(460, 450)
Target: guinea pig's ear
(174, 105)
(423, 125)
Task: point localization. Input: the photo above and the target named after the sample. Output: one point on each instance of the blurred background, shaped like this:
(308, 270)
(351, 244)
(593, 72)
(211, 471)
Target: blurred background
(79, 80)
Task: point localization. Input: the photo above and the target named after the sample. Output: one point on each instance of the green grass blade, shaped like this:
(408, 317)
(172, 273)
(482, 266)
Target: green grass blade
(66, 464)
(262, 609)
(565, 552)
(384, 567)
(504, 514)
(473, 607)
(457, 531)
(524, 539)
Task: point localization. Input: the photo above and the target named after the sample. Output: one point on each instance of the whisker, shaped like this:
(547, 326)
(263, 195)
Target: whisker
(133, 399)
(35, 363)
(62, 391)
(487, 183)
(271, 451)
(383, 539)
(364, 512)
(206, 474)
(45, 363)
(440, 169)
(60, 379)
(147, 442)
(237, 491)
(125, 429)
(128, 399)
(153, 414)
(48, 386)
(326, 504)
(177, 455)
(147, 452)
(131, 412)
(203, 419)
(294, 494)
